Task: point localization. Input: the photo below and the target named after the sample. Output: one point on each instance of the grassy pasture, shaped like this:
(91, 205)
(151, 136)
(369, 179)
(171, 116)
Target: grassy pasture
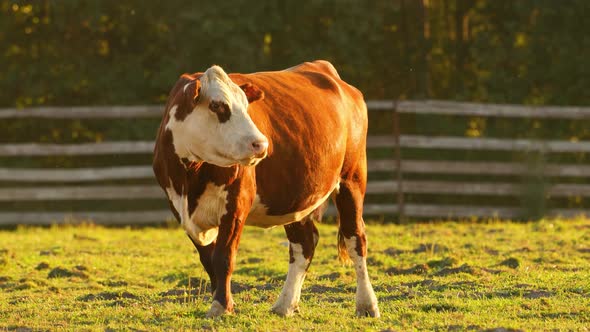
(427, 276)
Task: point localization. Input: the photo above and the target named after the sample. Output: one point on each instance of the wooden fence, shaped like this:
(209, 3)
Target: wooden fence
(85, 183)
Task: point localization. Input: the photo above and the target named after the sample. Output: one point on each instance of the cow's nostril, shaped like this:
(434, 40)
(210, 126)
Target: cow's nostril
(259, 147)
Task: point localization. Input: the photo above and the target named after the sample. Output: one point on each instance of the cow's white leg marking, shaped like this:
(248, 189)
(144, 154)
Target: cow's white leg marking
(288, 302)
(366, 301)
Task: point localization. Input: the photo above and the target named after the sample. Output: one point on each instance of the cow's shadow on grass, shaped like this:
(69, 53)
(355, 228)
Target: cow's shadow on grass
(112, 299)
(260, 273)
(200, 288)
(468, 289)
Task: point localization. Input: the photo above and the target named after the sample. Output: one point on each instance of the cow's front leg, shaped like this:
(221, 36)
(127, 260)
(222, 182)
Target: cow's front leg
(239, 201)
(303, 238)
(223, 260)
(205, 255)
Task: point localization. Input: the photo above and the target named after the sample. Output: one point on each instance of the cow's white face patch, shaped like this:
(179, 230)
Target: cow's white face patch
(218, 130)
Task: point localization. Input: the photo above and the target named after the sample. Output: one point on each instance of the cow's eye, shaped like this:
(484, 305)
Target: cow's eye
(218, 106)
(221, 109)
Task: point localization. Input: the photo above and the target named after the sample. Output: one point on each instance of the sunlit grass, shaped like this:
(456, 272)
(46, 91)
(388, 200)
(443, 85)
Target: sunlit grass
(445, 275)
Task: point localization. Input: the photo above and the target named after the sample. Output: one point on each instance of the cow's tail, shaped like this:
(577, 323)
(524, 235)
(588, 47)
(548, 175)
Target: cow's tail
(342, 251)
(316, 216)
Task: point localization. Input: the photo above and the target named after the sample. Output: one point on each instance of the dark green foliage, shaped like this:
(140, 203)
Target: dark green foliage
(130, 52)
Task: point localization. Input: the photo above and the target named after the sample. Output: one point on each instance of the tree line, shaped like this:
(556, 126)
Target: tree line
(131, 52)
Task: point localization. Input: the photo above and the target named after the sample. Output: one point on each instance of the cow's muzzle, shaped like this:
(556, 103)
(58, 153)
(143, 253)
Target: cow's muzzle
(259, 148)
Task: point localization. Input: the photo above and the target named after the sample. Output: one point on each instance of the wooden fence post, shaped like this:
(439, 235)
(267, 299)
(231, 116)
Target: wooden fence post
(398, 166)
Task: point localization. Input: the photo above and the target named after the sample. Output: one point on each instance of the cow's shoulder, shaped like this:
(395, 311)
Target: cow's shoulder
(319, 73)
(317, 66)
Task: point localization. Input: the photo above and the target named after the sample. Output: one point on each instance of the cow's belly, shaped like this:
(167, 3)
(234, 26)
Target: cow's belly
(202, 225)
(259, 216)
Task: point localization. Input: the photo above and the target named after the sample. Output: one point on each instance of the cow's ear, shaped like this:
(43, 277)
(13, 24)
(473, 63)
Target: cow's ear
(197, 91)
(253, 93)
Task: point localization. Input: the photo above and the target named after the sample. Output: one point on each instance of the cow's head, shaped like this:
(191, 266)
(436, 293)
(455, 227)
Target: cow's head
(217, 128)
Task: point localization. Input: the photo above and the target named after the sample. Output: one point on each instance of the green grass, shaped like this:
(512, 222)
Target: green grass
(427, 276)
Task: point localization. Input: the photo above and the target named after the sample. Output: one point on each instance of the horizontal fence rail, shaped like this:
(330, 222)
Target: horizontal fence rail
(80, 193)
(76, 174)
(131, 192)
(406, 141)
(84, 184)
(98, 217)
(459, 211)
(159, 216)
(476, 168)
(375, 165)
(94, 112)
(472, 188)
(83, 149)
(439, 107)
(476, 143)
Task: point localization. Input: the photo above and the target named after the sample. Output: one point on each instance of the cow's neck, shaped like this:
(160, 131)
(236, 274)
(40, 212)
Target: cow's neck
(216, 174)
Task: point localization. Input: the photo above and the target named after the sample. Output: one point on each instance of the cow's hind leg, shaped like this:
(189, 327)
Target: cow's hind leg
(352, 241)
(303, 238)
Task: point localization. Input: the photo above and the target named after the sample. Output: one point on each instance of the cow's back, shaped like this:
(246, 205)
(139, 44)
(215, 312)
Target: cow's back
(316, 125)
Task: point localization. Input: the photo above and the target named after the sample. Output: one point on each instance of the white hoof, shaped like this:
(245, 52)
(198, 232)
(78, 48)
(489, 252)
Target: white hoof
(368, 310)
(285, 310)
(217, 310)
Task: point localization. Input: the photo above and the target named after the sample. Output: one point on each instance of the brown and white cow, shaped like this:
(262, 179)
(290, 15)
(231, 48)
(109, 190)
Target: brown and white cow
(266, 149)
